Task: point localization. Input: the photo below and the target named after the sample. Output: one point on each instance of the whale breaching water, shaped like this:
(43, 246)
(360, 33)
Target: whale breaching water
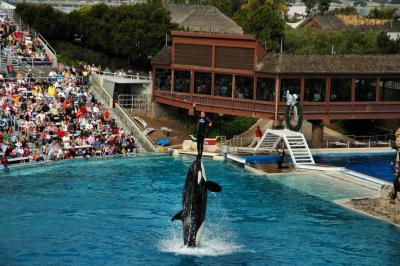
(194, 203)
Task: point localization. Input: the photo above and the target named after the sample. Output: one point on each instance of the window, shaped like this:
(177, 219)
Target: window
(390, 89)
(291, 85)
(365, 89)
(265, 89)
(202, 83)
(340, 90)
(163, 79)
(182, 81)
(244, 87)
(314, 90)
(223, 85)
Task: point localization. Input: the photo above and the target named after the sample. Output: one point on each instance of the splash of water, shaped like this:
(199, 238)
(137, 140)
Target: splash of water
(207, 247)
(217, 239)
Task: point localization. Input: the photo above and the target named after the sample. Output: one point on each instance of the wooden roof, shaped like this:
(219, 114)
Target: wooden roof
(341, 22)
(333, 64)
(163, 57)
(203, 35)
(199, 18)
(328, 22)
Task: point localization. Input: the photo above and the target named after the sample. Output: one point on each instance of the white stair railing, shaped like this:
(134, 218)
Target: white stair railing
(294, 141)
(21, 25)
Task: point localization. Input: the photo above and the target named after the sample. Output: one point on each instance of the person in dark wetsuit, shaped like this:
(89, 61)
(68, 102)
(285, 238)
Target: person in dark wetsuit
(396, 180)
(396, 186)
(281, 158)
(202, 124)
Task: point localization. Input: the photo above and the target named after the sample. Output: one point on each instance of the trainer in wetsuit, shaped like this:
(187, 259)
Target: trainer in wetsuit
(396, 180)
(202, 123)
(281, 158)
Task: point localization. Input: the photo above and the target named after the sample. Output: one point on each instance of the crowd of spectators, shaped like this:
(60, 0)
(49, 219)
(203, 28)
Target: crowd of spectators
(52, 118)
(21, 44)
(56, 118)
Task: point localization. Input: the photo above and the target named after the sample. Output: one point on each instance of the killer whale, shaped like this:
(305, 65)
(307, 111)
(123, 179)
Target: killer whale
(194, 203)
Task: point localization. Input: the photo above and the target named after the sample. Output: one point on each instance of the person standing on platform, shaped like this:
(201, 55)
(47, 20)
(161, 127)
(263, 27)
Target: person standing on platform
(396, 167)
(257, 138)
(203, 122)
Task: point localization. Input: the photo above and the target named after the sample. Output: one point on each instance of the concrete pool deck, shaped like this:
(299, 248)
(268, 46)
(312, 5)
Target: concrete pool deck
(375, 203)
(378, 208)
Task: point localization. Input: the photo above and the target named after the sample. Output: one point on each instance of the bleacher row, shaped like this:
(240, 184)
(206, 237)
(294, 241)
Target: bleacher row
(56, 118)
(52, 118)
(18, 44)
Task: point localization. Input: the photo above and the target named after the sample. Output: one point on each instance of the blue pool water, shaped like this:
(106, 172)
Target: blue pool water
(118, 211)
(373, 164)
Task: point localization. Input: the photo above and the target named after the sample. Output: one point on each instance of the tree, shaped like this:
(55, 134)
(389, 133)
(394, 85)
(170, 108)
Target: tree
(228, 7)
(134, 33)
(310, 4)
(51, 23)
(382, 13)
(387, 45)
(323, 6)
(310, 41)
(348, 10)
(321, 9)
(264, 22)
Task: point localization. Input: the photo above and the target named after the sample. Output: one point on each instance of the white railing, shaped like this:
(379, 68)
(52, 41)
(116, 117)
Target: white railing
(133, 101)
(352, 141)
(345, 141)
(21, 24)
(18, 65)
(137, 76)
(237, 142)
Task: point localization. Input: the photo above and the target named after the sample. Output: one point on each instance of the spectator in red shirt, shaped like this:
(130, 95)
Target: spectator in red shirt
(257, 138)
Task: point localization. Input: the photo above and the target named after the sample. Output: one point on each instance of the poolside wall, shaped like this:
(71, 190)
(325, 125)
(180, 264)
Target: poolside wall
(120, 115)
(159, 110)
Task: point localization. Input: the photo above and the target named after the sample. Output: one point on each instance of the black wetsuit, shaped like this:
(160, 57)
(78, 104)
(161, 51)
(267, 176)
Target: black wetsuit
(396, 180)
(396, 186)
(202, 123)
(281, 159)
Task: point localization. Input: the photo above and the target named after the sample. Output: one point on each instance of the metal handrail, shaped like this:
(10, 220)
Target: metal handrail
(19, 64)
(136, 77)
(24, 58)
(47, 44)
(133, 101)
(345, 141)
(21, 24)
(40, 78)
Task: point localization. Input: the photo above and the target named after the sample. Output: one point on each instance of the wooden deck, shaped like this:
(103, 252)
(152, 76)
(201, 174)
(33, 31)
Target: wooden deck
(264, 109)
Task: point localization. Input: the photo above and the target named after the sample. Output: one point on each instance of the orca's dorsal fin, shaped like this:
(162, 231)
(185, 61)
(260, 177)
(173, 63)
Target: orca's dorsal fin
(177, 216)
(212, 186)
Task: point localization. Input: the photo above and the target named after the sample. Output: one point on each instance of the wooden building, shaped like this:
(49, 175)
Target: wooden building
(235, 75)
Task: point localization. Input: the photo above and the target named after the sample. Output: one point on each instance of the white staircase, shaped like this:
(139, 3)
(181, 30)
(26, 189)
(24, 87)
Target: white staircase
(294, 141)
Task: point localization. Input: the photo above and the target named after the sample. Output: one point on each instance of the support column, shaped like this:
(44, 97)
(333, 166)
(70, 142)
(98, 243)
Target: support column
(172, 80)
(191, 86)
(212, 83)
(317, 133)
(378, 90)
(233, 86)
(277, 85)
